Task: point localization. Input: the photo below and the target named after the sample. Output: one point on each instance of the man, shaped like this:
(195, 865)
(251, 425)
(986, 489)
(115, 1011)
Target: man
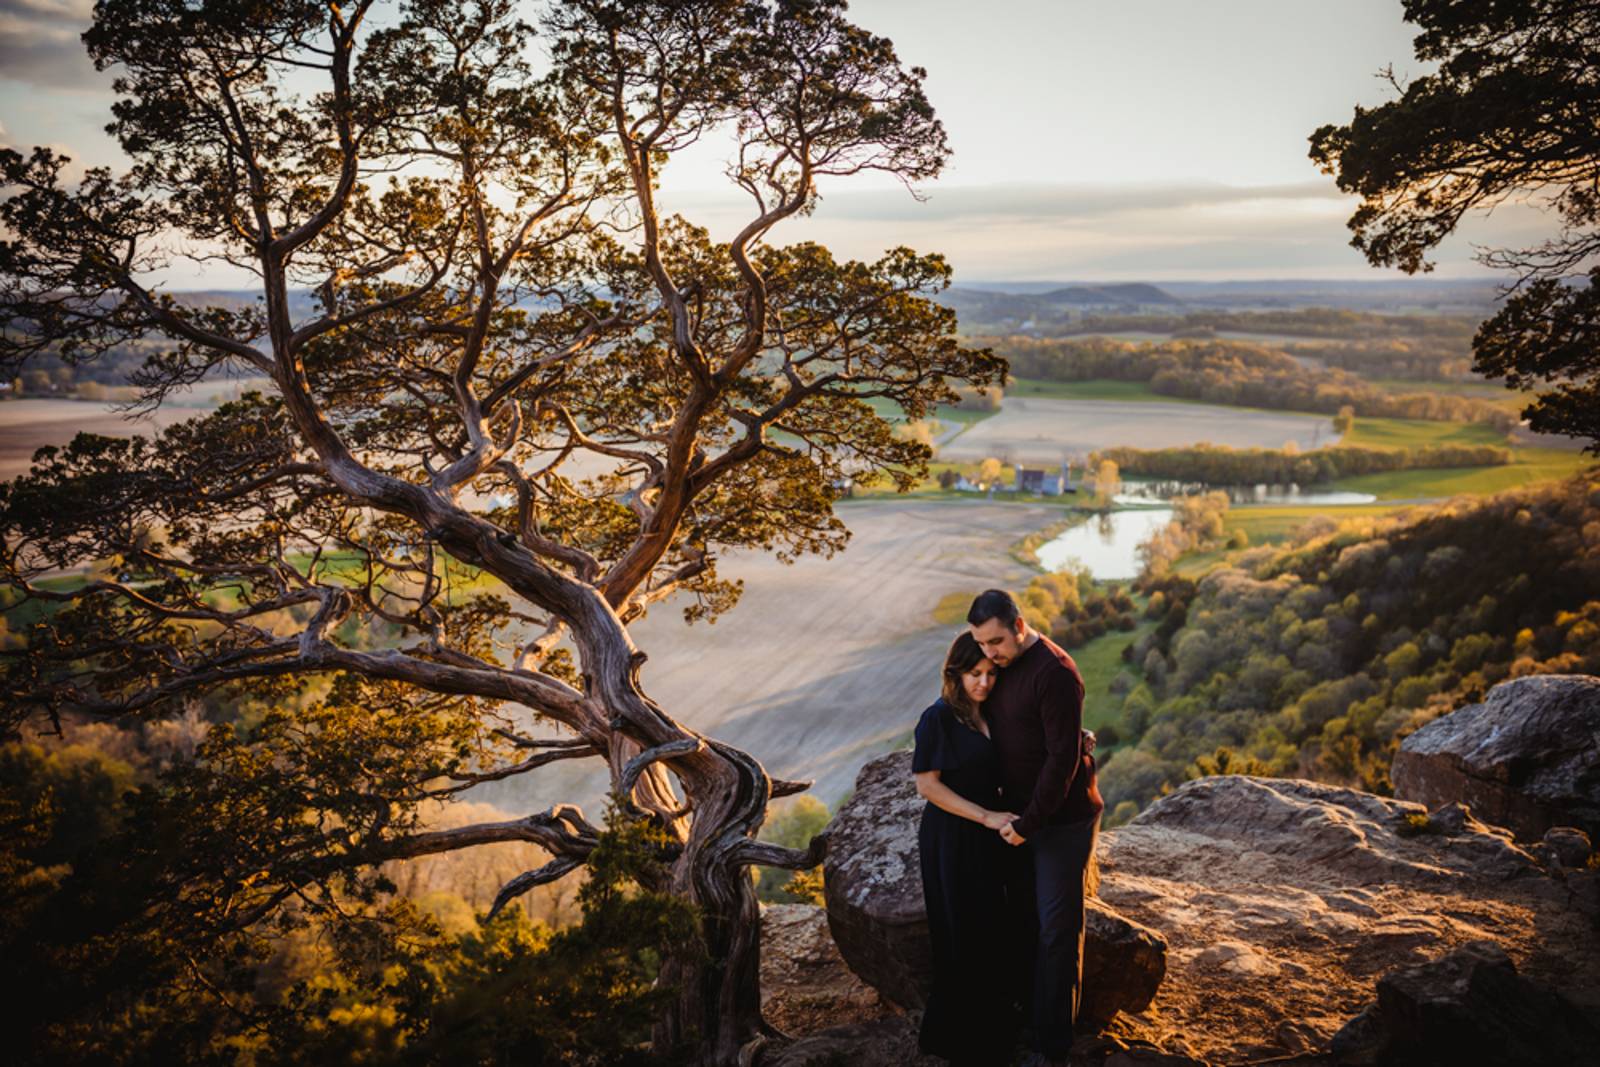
(1035, 716)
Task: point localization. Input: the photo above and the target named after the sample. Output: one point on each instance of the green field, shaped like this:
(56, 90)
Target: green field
(1099, 662)
(888, 409)
(1419, 433)
(1269, 525)
(1528, 465)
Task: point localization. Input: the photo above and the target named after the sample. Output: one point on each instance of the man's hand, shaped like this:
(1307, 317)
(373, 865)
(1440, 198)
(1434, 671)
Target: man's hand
(1008, 833)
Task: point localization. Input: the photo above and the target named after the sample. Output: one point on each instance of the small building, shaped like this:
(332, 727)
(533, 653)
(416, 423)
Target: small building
(1044, 483)
(1030, 480)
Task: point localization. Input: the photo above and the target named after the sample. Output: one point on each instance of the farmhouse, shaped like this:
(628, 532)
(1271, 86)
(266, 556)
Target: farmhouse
(1046, 483)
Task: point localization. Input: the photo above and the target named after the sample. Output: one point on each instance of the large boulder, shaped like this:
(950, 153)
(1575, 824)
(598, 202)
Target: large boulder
(1527, 758)
(1469, 1006)
(875, 908)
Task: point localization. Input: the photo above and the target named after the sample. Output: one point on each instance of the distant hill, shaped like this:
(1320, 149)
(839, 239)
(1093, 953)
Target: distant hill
(1127, 293)
(1007, 310)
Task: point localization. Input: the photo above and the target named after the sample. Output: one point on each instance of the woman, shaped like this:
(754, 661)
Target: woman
(967, 1020)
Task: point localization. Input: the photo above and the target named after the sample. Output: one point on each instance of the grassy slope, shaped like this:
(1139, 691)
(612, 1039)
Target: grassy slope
(1528, 464)
(1099, 661)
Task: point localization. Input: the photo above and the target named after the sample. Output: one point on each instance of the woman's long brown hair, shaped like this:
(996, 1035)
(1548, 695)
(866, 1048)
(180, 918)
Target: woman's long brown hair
(965, 653)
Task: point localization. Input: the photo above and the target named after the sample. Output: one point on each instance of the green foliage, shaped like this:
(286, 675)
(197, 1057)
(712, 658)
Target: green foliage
(1451, 146)
(1198, 524)
(1415, 823)
(1221, 465)
(1122, 813)
(1318, 658)
(1225, 761)
(792, 823)
(119, 949)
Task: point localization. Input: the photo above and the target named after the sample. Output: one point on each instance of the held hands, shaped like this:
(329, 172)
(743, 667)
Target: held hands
(1002, 821)
(994, 820)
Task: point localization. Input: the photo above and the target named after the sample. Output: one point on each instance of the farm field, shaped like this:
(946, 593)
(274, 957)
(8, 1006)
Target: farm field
(822, 664)
(1041, 431)
(1369, 432)
(1528, 464)
(1092, 389)
(30, 424)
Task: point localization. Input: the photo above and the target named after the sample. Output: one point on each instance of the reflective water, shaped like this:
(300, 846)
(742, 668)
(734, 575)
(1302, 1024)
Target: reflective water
(1106, 544)
(1146, 494)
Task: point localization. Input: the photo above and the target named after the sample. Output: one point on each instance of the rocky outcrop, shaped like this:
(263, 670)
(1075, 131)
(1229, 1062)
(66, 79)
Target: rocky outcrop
(875, 909)
(1284, 901)
(1469, 1006)
(1527, 758)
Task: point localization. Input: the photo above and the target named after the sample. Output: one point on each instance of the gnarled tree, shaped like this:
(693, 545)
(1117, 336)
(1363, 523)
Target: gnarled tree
(491, 352)
(1511, 114)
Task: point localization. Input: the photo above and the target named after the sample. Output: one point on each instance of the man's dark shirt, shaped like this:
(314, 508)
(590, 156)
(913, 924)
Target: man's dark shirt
(1036, 711)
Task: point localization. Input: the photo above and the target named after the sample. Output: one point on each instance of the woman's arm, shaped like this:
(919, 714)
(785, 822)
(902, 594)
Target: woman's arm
(938, 794)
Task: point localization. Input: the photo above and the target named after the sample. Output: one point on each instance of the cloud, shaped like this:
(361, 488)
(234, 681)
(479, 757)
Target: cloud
(1023, 201)
(1131, 231)
(40, 44)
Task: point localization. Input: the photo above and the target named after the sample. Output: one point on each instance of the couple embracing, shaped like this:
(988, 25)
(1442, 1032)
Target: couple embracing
(1006, 838)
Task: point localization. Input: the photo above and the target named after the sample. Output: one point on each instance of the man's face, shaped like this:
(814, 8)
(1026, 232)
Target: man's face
(1001, 643)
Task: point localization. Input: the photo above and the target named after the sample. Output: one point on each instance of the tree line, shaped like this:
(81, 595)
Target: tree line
(1221, 465)
(1234, 373)
(1321, 322)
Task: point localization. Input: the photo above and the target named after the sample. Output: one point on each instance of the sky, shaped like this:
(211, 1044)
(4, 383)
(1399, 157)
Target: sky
(1094, 140)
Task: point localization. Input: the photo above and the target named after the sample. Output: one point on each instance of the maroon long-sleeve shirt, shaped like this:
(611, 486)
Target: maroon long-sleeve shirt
(1036, 719)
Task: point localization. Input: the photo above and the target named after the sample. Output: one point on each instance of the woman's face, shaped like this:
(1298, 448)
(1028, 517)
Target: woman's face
(979, 681)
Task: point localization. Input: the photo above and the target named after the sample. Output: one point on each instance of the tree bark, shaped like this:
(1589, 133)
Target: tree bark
(718, 1005)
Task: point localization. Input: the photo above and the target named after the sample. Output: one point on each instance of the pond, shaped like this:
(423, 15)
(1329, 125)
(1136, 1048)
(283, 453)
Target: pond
(1152, 494)
(1106, 544)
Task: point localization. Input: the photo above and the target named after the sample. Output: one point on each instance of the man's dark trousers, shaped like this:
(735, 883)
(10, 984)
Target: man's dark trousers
(1044, 887)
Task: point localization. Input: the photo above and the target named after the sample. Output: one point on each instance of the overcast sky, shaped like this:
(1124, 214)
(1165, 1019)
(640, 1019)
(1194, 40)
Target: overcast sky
(1094, 139)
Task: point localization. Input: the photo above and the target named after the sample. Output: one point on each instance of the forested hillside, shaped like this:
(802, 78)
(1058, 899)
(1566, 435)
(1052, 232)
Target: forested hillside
(1234, 372)
(1317, 658)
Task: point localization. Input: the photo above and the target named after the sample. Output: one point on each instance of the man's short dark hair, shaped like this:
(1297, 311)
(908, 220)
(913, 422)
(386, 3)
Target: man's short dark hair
(994, 604)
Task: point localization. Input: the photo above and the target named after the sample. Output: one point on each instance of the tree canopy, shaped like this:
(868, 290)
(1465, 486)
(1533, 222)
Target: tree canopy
(1510, 114)
(514, 402)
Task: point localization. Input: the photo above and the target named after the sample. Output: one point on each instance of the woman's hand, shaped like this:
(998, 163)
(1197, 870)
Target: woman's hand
(1088, 742)
(994, 820)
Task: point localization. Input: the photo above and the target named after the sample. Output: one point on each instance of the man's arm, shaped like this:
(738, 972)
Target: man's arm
(1061, 714)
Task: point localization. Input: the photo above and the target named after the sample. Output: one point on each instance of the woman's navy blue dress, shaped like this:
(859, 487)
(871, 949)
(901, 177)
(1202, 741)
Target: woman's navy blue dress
(966, 1019)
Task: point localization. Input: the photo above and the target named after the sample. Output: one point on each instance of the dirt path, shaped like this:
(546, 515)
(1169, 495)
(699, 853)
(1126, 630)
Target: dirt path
(823, 664)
